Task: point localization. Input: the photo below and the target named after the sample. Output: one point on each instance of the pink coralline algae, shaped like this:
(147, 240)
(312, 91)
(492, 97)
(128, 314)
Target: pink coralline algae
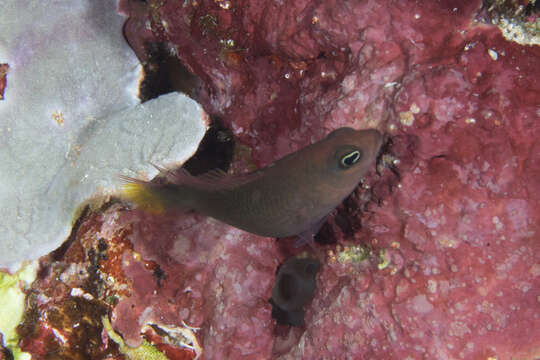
(211, 276)
(437, 254)
(452, 267)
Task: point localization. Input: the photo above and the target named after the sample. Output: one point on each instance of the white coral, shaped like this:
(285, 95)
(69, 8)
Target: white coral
(71, 121)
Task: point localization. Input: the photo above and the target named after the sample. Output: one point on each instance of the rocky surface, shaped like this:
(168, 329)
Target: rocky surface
(457, 221)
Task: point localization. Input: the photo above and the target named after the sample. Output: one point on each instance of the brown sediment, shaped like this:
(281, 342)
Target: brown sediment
(4, 69)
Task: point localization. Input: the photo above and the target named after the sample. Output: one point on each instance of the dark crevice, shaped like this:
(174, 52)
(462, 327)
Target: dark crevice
(164, 73)
(215, 150)
(294, 288)
(440, 156)
(6, 353)
(509, 9)
(532, 8)
(160, 275)
(326, 235)
(59, 253)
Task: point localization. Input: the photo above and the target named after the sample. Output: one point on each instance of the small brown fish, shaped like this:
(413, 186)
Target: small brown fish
(289, 197)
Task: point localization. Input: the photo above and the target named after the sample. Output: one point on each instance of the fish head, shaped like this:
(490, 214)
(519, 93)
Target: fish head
(350, 154)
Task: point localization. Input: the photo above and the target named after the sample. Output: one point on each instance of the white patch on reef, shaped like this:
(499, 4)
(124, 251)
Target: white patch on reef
(406, 118)
(493, 54)
(498, 224)
(458, 329)
(421, 305)
(414, 108)
(432, 286)
(74, 63)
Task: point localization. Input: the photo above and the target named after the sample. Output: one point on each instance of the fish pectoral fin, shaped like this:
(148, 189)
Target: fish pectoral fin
(307, 237)
(304, 238)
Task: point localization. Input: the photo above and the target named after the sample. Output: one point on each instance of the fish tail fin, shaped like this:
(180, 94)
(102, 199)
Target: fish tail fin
(149, 196)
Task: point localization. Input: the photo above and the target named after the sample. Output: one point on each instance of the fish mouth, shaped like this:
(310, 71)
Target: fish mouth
(379, 142)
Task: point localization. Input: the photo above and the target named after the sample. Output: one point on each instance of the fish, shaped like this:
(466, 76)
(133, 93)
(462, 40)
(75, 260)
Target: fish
(294, 287)
(289, 197)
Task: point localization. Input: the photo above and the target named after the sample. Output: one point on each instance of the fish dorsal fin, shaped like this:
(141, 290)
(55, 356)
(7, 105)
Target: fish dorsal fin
(215, 175)
(214, 179)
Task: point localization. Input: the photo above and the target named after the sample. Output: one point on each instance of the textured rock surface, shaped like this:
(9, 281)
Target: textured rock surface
(79, 283)
(65, 128)
(208, 269)
(458, 275)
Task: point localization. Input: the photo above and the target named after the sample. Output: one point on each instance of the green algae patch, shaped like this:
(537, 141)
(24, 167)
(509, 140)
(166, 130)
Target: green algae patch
(12, 306)
(352, 254)
(143, 352)
(384, 259)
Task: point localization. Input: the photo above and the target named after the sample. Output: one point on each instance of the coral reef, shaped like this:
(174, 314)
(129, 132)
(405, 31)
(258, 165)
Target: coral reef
(152, 287)
(436, 255)
(450, 240)
(76, 287)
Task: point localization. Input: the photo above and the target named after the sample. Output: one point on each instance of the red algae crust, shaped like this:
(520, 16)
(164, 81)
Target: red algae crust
(451, 251)
(210, 277)
(459, 227)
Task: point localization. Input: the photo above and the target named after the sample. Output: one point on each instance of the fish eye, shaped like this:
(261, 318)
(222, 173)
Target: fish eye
(349, 159)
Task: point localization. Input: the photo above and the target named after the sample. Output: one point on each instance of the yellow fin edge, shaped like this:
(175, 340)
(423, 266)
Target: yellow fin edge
(143, 197)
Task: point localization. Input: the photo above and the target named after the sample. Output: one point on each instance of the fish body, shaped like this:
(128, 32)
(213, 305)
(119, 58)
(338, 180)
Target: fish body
(283, 199)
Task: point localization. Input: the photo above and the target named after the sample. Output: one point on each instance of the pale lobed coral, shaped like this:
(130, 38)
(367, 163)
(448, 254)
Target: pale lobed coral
(70, 120)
